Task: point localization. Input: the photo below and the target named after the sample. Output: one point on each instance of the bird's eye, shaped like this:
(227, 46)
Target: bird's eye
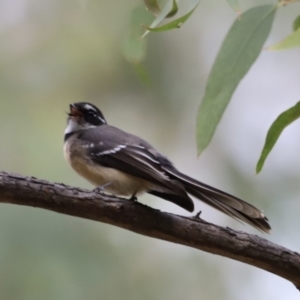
(90, 117)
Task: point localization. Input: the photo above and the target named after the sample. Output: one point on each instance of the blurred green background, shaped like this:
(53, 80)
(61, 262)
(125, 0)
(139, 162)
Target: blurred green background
(55, 52)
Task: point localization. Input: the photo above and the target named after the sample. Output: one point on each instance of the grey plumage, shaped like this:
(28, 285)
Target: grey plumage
(103, 154)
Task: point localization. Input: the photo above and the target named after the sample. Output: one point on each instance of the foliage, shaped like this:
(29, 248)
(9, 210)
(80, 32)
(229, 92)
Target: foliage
(54, 53)
(283, 120)
(292, 40)
(240, 49)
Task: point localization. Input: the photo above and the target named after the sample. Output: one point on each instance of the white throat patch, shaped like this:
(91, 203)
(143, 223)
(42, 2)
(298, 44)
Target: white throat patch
(74, 126)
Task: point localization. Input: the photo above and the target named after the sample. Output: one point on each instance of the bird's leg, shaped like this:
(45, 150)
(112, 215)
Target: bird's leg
(133, 198)
(100, 189)
(197, 215)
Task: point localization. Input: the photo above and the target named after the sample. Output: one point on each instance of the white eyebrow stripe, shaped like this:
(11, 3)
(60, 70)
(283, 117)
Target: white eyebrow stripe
(88, 106)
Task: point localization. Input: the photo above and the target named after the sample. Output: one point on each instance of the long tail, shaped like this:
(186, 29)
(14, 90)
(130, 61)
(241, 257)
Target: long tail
(226, 203)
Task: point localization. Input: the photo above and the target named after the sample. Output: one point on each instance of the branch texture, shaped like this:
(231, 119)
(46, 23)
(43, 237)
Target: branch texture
(136, 217)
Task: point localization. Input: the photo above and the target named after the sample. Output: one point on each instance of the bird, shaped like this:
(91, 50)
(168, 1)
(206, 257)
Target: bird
(124, 164)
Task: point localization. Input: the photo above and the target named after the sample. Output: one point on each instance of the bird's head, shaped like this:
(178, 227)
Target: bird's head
(83, 116)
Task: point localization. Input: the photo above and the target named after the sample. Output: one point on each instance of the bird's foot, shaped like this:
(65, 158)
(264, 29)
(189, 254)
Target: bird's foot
(100, 189)
(133, 198)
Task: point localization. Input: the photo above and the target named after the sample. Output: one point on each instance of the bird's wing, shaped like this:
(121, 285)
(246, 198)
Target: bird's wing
(116, 149)
(134, 156)
(133, 160)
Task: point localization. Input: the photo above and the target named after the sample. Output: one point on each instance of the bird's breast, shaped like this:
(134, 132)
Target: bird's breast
(121, 183)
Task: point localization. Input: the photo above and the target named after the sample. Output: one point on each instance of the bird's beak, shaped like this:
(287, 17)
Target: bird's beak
(74, 112)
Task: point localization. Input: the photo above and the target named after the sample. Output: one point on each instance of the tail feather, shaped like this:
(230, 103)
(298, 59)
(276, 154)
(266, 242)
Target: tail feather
(258, 222)
(226, 203)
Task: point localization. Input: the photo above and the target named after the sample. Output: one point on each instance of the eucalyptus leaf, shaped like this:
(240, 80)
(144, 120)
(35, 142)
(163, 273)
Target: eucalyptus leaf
(286, 2)
(143, 75)
(161, 16)
(283, 120)
(135, 49)
(174, 24)
(291, 41)
(296, 23)
(152, 6)
(235, 5)
(173, 11)
(238, 52)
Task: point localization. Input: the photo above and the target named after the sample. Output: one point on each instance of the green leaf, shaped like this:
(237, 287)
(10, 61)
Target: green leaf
(161, 16)
(173, 11)
(153, 6)
(283, 120)
(176, 23)
(296, 23)
(238, 52)
(235, 5)
(286, 2)
(291, 41)
(143, 75)
(134, 49)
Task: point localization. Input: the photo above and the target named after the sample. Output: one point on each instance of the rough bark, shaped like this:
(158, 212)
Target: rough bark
(136, 217)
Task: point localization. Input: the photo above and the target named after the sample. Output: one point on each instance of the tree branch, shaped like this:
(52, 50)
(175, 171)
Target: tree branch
(136, 217)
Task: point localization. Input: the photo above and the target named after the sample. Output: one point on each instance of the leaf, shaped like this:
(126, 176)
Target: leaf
(283, 120)
(238, 52)
(174, 24)
(161, 16)
(235, 5)
(296, 23)
(134, 49)
(153, 6)
(173, 11)
(286, 2)
(291, 41)
(143, 75)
